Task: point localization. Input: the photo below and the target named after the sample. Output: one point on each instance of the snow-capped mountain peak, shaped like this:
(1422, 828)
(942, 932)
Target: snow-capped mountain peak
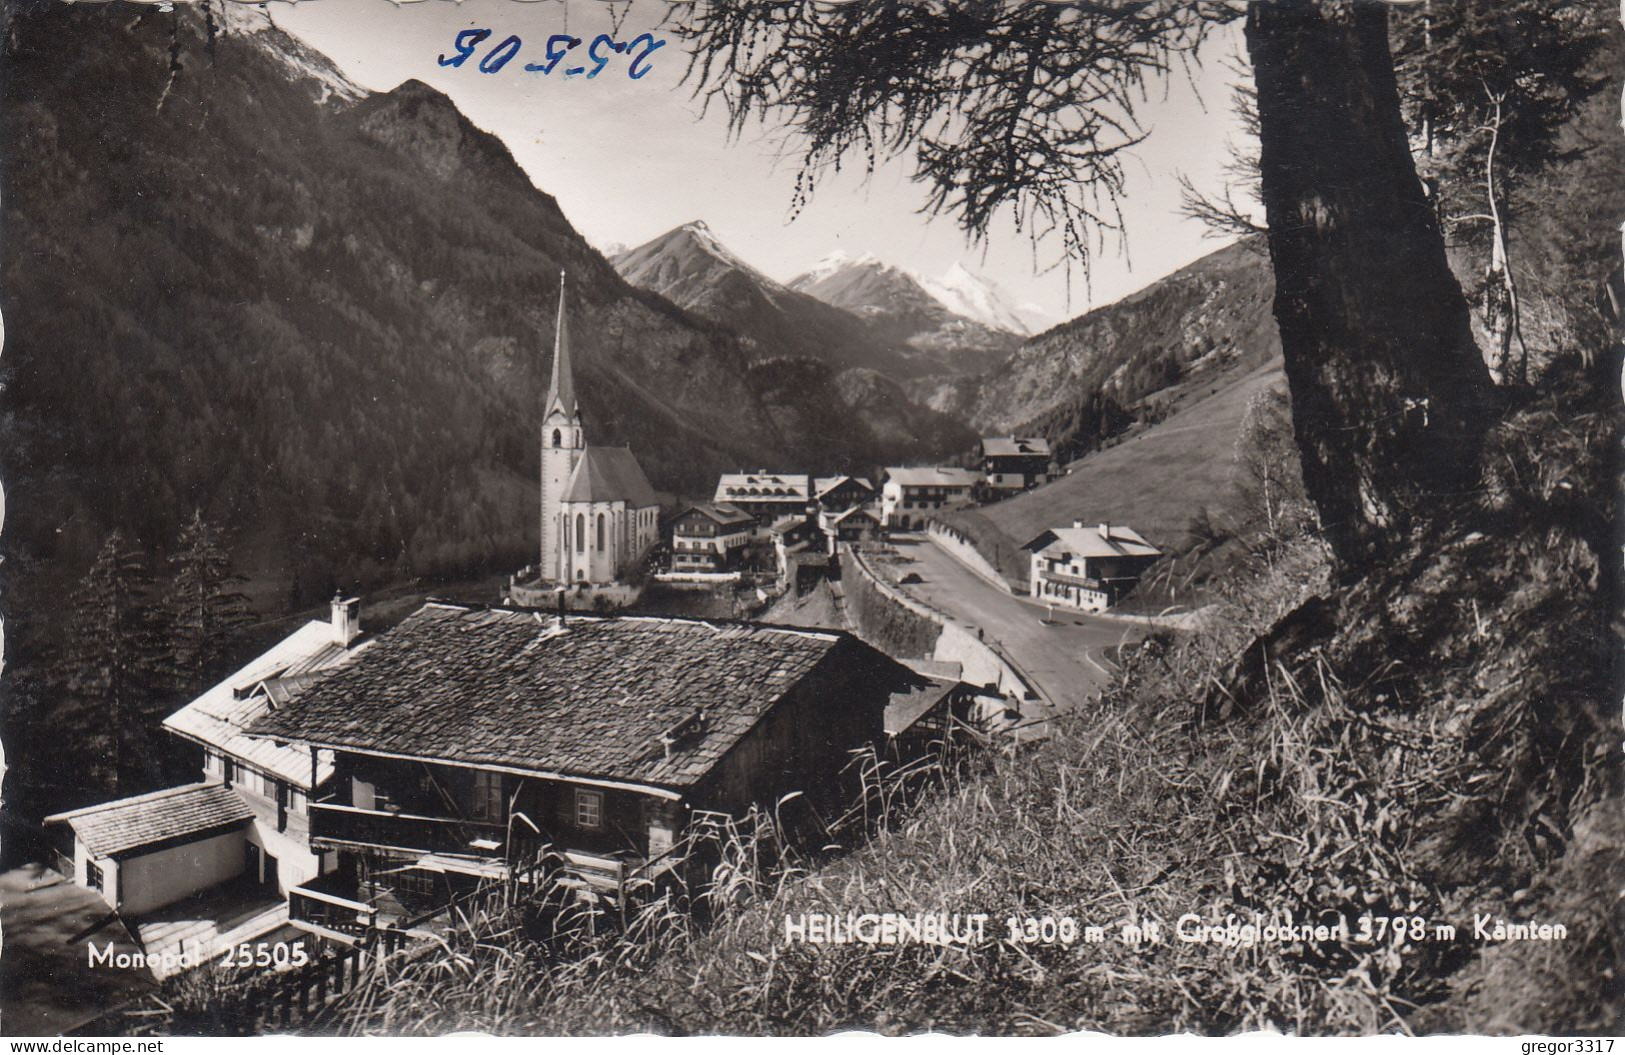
(974, 296)
(836, 260)
(960, 290)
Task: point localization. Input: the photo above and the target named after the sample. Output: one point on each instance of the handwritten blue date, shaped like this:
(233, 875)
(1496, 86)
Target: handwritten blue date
(599, 53)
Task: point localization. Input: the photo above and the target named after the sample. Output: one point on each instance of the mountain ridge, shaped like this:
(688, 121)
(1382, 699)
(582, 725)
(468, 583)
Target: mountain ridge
(324, 322)
(692, 267)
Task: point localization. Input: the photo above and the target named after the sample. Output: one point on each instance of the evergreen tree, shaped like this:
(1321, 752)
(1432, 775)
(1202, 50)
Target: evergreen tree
(204, 606)
(110, 666)
(1488, 86)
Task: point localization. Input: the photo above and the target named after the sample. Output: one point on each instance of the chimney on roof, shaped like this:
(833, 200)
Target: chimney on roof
(1077, 524)
(1106, 532)
(346, 619)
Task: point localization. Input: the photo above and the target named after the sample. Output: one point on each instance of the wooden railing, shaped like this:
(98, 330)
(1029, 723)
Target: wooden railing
(353, 825)
(1078, 580)
(330, 912)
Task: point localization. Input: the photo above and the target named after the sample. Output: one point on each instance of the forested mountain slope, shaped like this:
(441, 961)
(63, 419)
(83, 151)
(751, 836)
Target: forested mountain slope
(322, 317)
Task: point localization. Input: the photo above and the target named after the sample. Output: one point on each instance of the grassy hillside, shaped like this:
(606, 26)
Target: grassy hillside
(1154, 481)
(1438, 741)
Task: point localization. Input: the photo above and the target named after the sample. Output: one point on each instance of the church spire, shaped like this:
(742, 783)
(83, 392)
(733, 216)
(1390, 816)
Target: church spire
(562, 392)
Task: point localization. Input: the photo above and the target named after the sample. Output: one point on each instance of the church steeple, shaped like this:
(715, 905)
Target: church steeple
(561, 394)
(563, 443)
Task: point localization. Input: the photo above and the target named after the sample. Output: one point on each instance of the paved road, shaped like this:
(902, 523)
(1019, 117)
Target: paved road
(1062, 658)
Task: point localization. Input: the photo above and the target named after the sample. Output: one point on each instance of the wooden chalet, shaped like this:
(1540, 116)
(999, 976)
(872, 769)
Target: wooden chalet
(469, 742)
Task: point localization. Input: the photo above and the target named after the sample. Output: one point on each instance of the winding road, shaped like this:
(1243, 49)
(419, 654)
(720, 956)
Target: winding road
(1067, 658)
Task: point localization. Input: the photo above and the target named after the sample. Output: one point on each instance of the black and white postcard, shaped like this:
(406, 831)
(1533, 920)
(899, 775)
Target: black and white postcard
(779, 517)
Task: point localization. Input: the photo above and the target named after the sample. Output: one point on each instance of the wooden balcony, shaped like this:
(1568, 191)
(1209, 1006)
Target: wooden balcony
(1077, 580)
(333, 826)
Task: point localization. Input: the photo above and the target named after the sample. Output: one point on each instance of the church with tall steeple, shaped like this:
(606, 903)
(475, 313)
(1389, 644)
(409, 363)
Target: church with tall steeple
(599, 515)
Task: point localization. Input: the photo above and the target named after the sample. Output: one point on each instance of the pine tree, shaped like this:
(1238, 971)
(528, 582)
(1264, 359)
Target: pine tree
(204, 606)
(1488, 86)
(110, 664)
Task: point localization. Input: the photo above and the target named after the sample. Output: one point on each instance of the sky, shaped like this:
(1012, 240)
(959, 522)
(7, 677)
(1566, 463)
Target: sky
(631, 159)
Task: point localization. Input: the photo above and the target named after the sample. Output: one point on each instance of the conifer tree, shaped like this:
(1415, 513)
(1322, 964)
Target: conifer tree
(110, 666)
(204, 606)
(1487, 87)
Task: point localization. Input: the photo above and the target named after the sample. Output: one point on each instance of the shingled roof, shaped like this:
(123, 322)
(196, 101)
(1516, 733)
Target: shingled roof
(114, 828)
(1008, 446)
(610, 474)
(510, 688)
(1094, 541)
(218, 717)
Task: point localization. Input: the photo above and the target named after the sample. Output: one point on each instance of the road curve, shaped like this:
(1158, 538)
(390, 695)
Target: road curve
(1067, 658)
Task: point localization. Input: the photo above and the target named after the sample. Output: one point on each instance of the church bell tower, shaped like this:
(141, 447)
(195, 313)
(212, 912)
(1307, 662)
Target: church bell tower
(563, 441)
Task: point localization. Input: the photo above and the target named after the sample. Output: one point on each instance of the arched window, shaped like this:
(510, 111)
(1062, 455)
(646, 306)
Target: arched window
(600, 532)
(558, 438)
(581, 533)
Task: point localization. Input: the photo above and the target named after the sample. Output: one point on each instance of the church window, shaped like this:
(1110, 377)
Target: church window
(600, 532)
(558, 438)
(581, 533)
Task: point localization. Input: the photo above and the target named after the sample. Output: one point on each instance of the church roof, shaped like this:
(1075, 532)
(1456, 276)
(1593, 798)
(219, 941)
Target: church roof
(562, 391)
(609, 474)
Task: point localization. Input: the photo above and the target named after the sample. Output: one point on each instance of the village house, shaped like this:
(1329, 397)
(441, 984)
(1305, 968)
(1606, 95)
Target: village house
(247, 820)
(798, 540)
(1015, 463)
(1089, 568)
(849, 526)
(465, 740)
(599, 516)
(910, 496)
(923, 716)
(710, 538)
(766, 496)
(837, 494)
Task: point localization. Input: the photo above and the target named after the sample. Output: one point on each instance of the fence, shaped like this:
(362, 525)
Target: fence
(270, 1002)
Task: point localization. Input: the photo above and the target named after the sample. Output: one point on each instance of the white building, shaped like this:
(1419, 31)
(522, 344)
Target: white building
(908, 497)
(767, 496)
(248, 818)
(599, 514)
(1088, 568)
(710, 538)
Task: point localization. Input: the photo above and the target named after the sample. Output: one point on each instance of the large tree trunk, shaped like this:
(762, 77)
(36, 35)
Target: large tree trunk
(1390, 397)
